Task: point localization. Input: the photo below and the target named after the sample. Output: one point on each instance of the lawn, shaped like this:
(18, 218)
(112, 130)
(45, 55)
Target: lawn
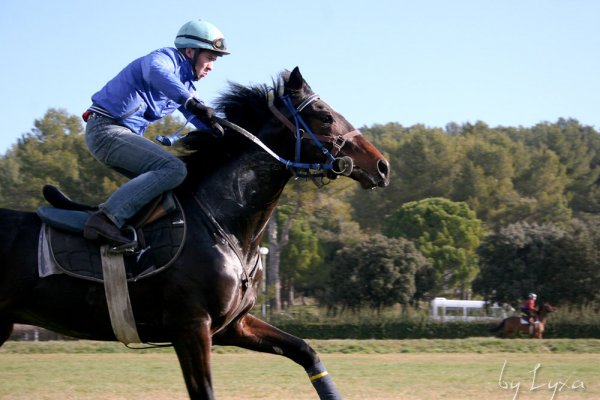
(488, 369)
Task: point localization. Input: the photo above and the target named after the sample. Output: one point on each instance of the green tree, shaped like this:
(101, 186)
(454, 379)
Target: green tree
(509, 261)
(423, 164)
(298, 258)
(578, 149)
(376, 272)
(320, 218)
(560, 265)
(55, 153)
(485, 175)
(447, 233)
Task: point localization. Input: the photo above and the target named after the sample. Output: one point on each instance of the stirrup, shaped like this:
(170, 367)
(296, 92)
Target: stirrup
(128, 248)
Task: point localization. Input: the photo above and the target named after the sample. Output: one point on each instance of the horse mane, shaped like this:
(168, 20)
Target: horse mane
(246, 106)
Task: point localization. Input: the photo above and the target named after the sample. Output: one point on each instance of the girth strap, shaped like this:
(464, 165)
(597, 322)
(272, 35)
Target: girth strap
(117, 296)
(247, 273)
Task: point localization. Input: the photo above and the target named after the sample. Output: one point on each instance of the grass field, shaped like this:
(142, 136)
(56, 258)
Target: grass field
(478, 368)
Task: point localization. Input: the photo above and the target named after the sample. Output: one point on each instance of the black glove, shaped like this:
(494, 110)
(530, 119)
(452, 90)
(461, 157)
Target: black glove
(204, 114)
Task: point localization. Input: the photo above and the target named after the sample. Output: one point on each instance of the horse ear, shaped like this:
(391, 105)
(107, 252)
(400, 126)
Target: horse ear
(295, 80)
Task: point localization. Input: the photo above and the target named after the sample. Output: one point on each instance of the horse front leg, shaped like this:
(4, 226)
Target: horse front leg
(193, 345)
(253, 334)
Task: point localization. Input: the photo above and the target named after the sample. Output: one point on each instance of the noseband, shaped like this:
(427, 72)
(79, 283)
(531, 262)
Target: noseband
(339, 166)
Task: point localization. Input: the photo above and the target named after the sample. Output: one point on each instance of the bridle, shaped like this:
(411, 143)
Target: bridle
(338, 165)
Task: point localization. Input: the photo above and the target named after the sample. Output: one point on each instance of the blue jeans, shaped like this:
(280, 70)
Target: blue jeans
(153, 170)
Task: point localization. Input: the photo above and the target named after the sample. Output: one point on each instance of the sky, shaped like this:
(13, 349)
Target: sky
(431, 62)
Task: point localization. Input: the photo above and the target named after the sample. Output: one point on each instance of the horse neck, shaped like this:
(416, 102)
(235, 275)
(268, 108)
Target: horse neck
(242, 195)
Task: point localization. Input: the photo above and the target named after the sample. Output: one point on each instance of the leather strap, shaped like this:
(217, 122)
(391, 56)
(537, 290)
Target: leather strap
(117, 296)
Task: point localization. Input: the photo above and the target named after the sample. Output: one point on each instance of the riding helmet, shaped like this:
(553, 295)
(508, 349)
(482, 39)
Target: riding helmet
(199, 34)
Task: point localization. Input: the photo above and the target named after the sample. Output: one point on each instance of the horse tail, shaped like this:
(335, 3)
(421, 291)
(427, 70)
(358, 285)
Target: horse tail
(499, 327)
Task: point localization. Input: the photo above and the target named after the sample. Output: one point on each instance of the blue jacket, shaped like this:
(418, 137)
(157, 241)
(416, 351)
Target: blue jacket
(148, 89)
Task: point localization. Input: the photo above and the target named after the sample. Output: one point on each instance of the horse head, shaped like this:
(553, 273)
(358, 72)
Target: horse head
(321, 127)
(548, 308)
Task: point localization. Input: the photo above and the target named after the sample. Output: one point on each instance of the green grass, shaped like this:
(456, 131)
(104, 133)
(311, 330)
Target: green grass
(470, 345)
(371, 369)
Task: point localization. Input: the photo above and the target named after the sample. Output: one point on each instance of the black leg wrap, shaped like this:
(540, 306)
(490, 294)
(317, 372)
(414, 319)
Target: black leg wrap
(323, 383)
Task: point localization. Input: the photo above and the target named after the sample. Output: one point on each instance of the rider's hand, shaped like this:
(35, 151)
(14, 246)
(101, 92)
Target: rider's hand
(204, 113)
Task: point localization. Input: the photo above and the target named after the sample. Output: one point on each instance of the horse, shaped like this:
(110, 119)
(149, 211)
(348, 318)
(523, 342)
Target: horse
(205, 297)
(512, 326)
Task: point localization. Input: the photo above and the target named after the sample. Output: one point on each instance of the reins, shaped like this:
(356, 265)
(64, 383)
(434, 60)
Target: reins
(338, 165)
(256, 140)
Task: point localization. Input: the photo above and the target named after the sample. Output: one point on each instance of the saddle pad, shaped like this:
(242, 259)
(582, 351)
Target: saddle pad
(160, 243)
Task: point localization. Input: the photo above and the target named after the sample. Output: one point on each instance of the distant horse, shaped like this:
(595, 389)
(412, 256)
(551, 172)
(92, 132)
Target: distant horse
(232, 188)
(512, 326)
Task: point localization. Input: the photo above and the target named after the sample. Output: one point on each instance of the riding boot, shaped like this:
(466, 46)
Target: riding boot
(100, 227)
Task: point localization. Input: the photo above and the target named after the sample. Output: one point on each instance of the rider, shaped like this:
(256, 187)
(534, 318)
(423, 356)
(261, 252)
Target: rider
(146, 90)
(528, 307)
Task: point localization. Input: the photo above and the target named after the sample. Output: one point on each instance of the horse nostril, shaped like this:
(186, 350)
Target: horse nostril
(383, 168)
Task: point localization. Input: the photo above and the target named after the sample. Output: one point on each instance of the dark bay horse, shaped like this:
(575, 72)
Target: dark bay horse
(205, 297)
(513, 326)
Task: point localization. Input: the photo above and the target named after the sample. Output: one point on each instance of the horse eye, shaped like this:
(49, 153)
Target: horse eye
(327, 119)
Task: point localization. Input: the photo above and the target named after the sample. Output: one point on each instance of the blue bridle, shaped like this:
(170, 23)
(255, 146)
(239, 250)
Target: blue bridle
(343, 165)
(300, 127)
(339, 166)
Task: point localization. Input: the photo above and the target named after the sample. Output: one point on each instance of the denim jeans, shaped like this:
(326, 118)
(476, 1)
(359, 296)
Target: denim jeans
(152, 169)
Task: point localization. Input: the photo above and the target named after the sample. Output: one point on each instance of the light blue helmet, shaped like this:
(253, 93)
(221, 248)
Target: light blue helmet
(199, 34)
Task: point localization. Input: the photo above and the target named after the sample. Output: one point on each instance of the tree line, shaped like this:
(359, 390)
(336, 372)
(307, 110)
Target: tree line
(471, 211)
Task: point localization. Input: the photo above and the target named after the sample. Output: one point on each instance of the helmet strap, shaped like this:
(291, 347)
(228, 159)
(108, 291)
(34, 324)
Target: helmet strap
(193, 60)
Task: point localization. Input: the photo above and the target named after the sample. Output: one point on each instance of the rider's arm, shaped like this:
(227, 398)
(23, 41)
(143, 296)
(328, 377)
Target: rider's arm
(159, 71)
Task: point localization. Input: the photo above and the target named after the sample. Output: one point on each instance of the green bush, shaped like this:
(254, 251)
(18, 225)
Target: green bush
(423, 330)
(312, 322)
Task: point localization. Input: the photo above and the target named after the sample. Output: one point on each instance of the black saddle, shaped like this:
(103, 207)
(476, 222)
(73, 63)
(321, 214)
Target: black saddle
(159, 229)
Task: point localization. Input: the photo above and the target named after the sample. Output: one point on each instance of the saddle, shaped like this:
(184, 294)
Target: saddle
(159, 228)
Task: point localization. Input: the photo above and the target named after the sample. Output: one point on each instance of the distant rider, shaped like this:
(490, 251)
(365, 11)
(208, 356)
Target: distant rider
(528, 307)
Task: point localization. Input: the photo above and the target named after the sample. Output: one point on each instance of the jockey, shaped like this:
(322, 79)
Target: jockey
(528, 307)
(148, 89)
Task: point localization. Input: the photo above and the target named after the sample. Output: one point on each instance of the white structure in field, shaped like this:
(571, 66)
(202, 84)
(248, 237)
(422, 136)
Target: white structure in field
(443, 309)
